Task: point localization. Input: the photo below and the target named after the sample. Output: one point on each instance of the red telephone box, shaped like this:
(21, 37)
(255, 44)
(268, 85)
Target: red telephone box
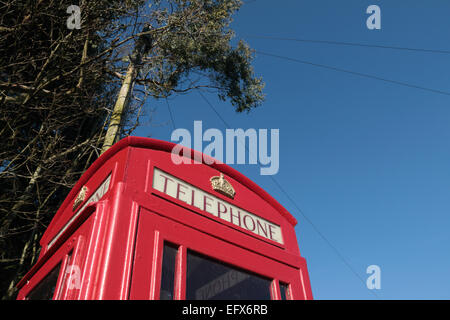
(139, 226)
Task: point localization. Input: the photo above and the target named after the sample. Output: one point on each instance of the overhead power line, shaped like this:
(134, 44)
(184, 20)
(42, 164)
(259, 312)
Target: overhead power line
(360, 74)
(171, 115)
(316, 229)
(354, 44)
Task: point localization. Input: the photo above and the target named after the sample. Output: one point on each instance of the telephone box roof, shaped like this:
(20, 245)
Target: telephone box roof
(155, 144)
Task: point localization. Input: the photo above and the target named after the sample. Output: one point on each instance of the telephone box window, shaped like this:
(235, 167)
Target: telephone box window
(45, 289)
(168, 271)
(284, 291)
(208, 279)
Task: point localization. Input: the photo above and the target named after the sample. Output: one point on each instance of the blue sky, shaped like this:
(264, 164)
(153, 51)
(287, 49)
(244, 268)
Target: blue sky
(367, 161)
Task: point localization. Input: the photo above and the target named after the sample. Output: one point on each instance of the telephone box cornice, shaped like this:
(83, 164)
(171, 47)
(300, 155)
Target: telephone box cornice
(155, 144)
(165, 146)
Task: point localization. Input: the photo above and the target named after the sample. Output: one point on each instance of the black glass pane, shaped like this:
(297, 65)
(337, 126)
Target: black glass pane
(208, 279)
(45, 289)
(168, 272)
(284, 291)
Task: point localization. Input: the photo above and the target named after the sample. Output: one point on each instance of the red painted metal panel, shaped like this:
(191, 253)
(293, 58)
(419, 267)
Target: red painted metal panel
(177, 233)
(120, 237)
(73, 246)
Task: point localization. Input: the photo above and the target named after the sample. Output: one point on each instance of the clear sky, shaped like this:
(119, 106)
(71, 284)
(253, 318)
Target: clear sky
(367, 161)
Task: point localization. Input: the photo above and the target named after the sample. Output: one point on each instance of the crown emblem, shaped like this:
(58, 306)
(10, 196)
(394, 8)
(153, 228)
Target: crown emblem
(221, 185)
(80, 197)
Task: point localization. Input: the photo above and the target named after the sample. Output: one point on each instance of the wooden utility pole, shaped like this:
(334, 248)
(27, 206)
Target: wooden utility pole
(143, 45)
(112, 134)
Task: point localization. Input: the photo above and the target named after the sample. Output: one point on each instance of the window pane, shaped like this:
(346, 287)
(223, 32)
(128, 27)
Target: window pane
(168, 271)
(46, 288)
(208, 279)
(284, 290)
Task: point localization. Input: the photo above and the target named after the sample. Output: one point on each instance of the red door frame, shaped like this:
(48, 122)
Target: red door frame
(72, 257)
(78, 246)
(155, 228)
